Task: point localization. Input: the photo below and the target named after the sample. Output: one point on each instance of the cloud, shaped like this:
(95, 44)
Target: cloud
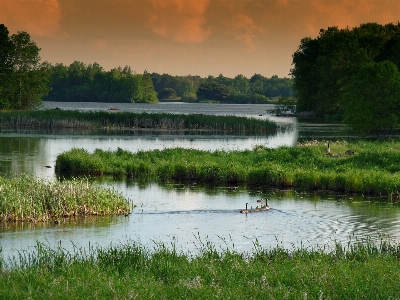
(182, 20)
(37, 17)
(246, 30)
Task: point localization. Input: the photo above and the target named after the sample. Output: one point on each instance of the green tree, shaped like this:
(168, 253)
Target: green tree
(372, 98)
(213, 91)
(24, 80)
(167, 94)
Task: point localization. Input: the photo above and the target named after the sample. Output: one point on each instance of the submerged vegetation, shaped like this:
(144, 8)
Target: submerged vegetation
(26, 198)
(102, 119)
(373, 169)
(360, 270)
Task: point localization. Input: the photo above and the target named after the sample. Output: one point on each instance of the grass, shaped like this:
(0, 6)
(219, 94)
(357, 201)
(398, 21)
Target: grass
(26, 198)
(131, 271)
(104, 119)
(374, 169)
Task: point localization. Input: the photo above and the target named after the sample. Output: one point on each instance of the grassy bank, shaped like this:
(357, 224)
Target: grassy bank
(373, 169)
(25, 198)
(103, 119)
(131, 271)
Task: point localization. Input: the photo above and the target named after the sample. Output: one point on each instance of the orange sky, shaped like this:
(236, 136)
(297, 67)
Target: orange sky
(185, 37)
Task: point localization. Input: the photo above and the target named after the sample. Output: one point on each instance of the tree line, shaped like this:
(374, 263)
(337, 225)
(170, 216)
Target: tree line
(91, 83)
(352, 73)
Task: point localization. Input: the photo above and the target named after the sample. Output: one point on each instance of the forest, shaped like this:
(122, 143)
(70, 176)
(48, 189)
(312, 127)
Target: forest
(91, 83)
(351, 74)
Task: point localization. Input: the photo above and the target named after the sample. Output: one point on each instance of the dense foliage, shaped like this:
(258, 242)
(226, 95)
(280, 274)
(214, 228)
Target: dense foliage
(373, 169)
(257, 89)
(324, 65)
(23, 79)
(90, 83)
(372, 98)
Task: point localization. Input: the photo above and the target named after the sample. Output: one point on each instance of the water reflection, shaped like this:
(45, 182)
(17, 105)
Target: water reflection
(184, 212)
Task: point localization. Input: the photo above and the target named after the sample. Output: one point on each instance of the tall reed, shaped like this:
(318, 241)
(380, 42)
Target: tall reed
(374, 169)
(26, 198)
(104, 119)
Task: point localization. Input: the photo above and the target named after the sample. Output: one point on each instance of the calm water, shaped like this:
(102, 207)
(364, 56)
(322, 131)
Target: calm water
(187, 214)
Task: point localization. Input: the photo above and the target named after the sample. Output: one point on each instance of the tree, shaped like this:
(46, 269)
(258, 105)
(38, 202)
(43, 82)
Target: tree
(213, 91)
(23, 79)
(322, 66)
(167, 94)
(372, 98)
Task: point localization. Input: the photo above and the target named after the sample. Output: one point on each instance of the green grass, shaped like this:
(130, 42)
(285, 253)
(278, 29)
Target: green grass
(26, 198)
(104, 119)
(374, 169)
(131, 271)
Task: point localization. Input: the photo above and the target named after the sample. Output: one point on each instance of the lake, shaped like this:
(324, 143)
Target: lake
(189, 215)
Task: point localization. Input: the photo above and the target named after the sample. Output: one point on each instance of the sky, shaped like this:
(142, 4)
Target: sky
(185, 37)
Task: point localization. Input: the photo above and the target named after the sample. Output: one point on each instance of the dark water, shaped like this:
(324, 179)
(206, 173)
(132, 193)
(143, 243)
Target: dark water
(189, 215)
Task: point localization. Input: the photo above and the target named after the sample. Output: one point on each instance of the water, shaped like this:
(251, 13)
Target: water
(188, 215)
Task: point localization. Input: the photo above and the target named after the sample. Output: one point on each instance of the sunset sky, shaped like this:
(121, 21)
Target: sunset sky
(185, 37)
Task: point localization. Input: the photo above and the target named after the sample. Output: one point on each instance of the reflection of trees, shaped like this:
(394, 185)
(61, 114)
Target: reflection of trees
(18, 154)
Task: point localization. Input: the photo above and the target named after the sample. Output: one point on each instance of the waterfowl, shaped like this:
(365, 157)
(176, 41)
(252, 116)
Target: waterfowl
(265, 207)
(245, 211)
(328, 150)
(349, 152)
(257, 208)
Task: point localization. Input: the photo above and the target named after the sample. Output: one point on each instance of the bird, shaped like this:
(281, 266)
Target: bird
(245, 211)
(328, 150)
(349, 152)
(257, 208)
(265, 207)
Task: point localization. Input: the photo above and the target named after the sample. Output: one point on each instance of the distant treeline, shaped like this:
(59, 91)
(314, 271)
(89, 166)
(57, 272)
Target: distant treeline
(91, 83)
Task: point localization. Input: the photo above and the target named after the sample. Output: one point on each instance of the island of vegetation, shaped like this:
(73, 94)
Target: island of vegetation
(369, 167)
(28, 199)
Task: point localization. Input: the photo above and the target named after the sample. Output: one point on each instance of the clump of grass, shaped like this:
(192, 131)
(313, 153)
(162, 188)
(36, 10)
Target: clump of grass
(103, 119)
(374, 169)
(25, 198)
(130, 270)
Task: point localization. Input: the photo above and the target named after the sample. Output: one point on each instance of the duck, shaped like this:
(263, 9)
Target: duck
(328, 150)
(244, 211)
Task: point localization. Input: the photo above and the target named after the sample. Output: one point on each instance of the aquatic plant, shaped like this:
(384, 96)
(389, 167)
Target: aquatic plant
(106, 119)
(26, 198)
(373, 169)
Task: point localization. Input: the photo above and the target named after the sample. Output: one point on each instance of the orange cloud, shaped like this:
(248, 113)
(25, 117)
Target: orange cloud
(181, 20)
(37, 17)
(247, 30)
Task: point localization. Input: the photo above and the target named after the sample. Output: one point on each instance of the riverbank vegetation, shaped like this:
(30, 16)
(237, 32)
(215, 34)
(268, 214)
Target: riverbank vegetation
(26, 198)
(360, 270)
(373, 169)
(104, 119)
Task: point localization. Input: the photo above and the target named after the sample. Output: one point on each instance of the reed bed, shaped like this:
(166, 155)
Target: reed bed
(104, 119)
(373, 169)
(362, 270)
(26, 198)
